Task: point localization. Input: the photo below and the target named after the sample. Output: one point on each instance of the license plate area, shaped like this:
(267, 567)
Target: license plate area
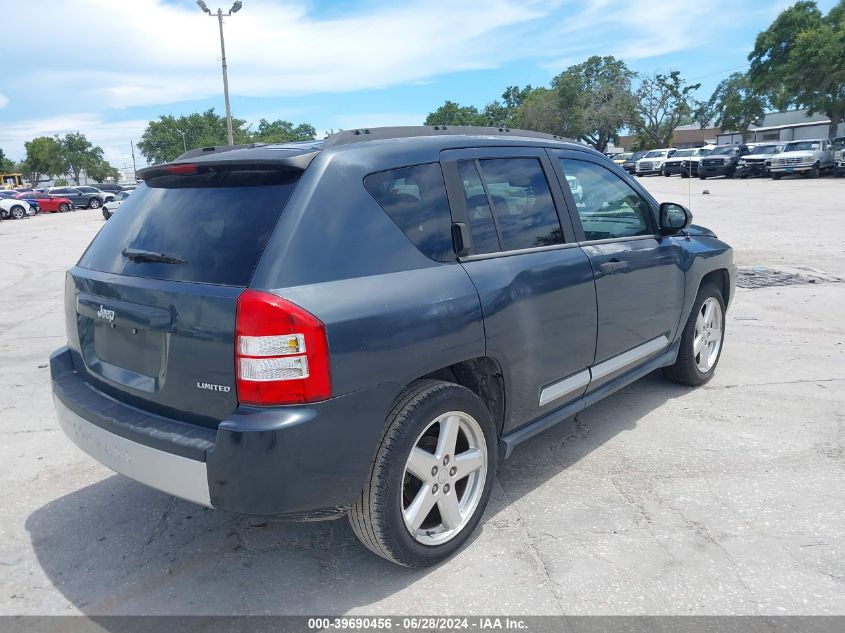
(124, 342)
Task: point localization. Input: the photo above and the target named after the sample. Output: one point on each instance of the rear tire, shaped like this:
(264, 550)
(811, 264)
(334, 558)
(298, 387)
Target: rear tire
(378, 517)
(775, 176)
(691, 367)
(702, 177)
(94, 203)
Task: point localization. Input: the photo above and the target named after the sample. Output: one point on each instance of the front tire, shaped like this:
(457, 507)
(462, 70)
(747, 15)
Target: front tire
(64, 208)
(431, 478)
(106, 213)
(702, 339)
(94, 203)
(18, 212)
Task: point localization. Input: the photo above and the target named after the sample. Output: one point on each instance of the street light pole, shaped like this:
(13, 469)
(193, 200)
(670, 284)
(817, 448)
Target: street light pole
(225, 80)
(235, 8)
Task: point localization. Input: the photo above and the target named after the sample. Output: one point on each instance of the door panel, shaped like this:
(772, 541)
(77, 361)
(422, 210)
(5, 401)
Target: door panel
(540, 325)
(639, 274)
(639, 296)
(538, 302)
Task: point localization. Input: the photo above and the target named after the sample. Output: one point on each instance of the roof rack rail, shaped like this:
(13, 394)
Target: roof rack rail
(380, 133)
(216, 149)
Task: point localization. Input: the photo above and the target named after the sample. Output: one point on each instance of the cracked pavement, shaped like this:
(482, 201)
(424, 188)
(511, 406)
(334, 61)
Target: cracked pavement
(726, 499)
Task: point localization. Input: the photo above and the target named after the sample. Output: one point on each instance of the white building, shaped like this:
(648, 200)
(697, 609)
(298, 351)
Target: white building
(792, 125)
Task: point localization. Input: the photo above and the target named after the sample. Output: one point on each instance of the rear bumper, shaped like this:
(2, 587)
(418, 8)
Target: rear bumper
(180, 476)
(303, 462)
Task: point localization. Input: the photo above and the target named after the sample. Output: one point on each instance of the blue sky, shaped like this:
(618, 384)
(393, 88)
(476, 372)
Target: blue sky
(337, 64)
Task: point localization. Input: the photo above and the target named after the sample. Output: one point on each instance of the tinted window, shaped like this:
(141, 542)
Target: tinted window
(522, 203)
(485, 239)
(608, 206)
(217, 221)
(415, 199)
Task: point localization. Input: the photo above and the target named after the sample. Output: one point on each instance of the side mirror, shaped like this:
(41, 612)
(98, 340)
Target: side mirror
(674, 218)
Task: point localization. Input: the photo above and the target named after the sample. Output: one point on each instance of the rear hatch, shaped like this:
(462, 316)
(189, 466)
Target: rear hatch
(150, 307)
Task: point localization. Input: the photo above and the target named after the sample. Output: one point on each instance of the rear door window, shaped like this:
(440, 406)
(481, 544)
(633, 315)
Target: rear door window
(415, 199)
(522, 203)
(211, 225)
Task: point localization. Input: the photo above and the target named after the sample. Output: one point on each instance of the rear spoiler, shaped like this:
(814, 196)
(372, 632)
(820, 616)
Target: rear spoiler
(250, 155)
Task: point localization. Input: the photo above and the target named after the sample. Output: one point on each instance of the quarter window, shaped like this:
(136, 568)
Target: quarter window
(485, 239)
(415, 199)
(607, 206)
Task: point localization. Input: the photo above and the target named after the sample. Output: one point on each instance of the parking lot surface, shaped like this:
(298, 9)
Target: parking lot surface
(727, 499)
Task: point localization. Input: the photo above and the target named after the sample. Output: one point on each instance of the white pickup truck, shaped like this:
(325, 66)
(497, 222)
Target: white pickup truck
(808, 157)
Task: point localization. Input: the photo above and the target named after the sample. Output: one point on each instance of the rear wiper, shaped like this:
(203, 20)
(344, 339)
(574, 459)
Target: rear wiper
(137, 255)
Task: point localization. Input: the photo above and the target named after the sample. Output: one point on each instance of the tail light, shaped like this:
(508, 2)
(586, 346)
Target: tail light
(281, 352)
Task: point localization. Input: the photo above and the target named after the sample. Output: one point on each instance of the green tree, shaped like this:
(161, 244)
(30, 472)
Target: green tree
(6, 164)
(44, 157)
(734, 106)
(168, 137)
(595, 100)
(101, 171)
(79, 154)
(495, 114)
(800, 60)
(661, 103)
(541, 111)
(451, 113)
(282, 132)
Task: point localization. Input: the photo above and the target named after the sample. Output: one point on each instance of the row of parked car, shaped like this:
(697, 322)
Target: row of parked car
(809, 158)
(26, 201)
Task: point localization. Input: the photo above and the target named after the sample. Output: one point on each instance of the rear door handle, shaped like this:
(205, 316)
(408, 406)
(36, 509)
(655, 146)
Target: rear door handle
(613, 266)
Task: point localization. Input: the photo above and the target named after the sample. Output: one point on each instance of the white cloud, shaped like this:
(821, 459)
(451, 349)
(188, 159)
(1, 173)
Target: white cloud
(113, 137)
(4, 100)
(146, 52)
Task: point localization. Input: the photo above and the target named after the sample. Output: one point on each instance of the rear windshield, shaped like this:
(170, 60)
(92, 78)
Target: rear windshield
(212, 227)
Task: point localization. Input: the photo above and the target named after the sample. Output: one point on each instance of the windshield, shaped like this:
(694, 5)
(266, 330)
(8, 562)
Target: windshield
(725, 150)
(765, 149)
(803, 146)
(681, 153)
(656, 153)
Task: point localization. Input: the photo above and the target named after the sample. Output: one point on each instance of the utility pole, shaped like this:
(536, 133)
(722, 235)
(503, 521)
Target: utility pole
(134, 168)
(235, 8)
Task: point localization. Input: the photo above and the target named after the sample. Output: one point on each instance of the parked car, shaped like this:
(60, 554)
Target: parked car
(105, 196)
(721, 161)
(620, 159)
(29, 198)
(48, 203)
(757, 161)
(838, 146)
(111, 206)
(808, 158)
(269, 366)
(109, 187)
(681, 160)
(630, 164)
(652, 162)
(85, 200)
(12, 208)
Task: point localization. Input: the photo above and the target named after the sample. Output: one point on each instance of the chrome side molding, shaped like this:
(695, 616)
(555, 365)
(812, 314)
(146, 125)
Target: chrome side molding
(582, 379)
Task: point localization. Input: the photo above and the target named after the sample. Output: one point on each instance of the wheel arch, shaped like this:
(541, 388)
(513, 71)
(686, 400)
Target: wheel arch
(719, 278)
(484, 377)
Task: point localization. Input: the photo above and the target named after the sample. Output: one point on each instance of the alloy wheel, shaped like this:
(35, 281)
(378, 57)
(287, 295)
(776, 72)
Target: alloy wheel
(444, 478)
(708, 335)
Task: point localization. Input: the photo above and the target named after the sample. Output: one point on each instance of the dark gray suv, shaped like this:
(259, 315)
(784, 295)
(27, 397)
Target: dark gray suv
(367, 325)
